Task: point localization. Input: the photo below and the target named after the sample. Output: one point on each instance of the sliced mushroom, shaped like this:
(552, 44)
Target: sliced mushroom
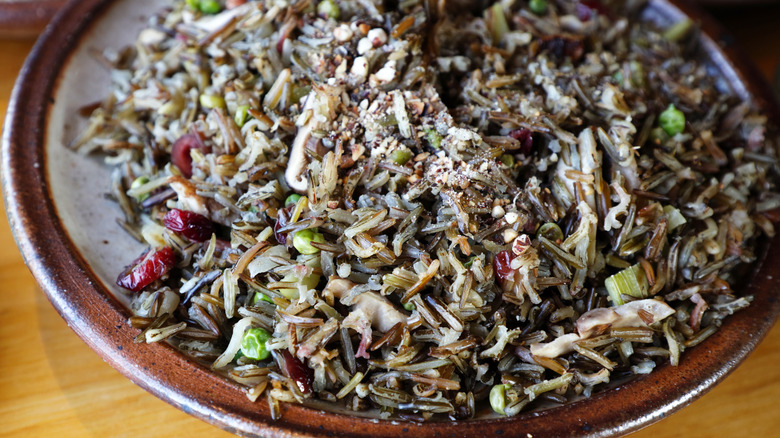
(558, 347)
(639, 313)
(296, 165)
(626, 315)
(188, 199)
(378, 309)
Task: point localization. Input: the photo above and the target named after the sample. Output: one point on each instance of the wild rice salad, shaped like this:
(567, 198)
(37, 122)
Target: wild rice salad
(427, 208)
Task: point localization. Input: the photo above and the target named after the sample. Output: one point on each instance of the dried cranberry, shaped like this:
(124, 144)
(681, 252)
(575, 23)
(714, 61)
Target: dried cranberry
(560, 46)
(296, 370)
(526, 139)
(180, 152)
(501, 265)
(587, 9)
(146, 269)
(191, 225)
(282, 218)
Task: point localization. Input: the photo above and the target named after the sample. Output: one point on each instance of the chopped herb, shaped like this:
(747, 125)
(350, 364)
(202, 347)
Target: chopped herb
(434, 138)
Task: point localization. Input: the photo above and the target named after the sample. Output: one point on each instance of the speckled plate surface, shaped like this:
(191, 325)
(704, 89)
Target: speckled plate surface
(66, 231)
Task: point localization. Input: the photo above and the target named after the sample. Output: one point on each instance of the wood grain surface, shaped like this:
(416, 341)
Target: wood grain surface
(53, 385)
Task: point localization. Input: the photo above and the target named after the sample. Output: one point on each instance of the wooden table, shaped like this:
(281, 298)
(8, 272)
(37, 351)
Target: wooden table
(52, 384)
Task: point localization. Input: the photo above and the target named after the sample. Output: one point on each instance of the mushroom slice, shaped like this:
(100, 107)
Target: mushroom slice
(558, 347)
(640, 313)
(296, 165)
(378, 309)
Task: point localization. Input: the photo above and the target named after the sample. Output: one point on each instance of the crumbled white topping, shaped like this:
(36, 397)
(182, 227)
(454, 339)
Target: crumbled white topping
(342, 33)
(386, 73)
(360, 67)
(364, 45)
(377, 36)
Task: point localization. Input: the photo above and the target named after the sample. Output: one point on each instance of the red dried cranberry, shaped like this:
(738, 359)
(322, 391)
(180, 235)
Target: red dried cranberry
(561, 46)
(501, 265)
(587, 9)
(191, 225)
(282, 218)
(146, 269)
(526, 139)
(180, 152)
(296, 370)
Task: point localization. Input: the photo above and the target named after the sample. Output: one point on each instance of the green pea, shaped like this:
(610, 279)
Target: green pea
(401, 156)
(672, 120)
(292, 200)
(538, 7)
(210, 7)
(138, 182)
(242, 115)
(329, 8)
(498, 397)
(658, 135)
(551, 231)
(259, 296)
(194, 4)
(409, 306)
(253, 343)
(508, 160)
(208, 101)
(303, 239)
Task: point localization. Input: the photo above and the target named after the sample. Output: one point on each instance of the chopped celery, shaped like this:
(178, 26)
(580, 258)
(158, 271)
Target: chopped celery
(630, 281)
(678, 30)
(674, 216)
(211, 101)
(242, 115)
(310, 282)
(496, 22)
(259, 296)
(138, 182)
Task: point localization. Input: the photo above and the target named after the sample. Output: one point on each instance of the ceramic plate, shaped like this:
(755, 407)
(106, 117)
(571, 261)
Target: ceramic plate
(67, 232)
(26, 18)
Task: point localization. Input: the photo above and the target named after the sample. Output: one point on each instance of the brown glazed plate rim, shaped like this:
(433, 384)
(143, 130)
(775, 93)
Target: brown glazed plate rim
(26, 18)
(100, 320)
